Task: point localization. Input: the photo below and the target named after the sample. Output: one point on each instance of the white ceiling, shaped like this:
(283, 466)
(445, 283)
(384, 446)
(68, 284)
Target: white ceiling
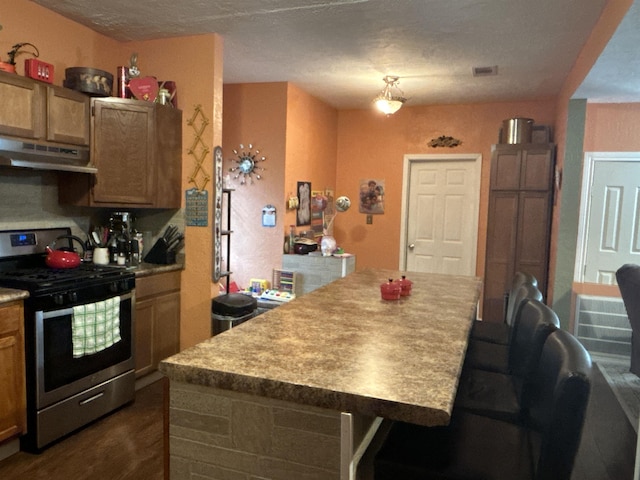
(339, 50)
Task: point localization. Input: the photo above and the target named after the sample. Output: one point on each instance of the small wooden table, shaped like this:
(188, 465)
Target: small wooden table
(302, 388)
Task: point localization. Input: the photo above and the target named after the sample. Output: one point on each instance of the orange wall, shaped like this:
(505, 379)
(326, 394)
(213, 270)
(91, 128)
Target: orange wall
(60, 42)
(612, 127)
(194, 63)
(256, 113)
(311, 145)
(373, 146)
(297, 134)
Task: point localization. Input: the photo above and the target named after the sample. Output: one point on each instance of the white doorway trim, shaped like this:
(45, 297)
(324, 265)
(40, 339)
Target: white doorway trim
(590, 160)
(409, 159)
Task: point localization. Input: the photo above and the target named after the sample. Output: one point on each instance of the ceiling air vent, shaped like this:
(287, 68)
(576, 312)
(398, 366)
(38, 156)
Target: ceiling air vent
(485, 71)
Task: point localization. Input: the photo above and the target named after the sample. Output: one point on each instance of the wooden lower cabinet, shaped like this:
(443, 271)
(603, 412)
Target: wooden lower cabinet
(157, 331)
(13, 413)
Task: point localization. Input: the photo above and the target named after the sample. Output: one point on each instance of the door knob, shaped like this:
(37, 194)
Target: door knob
(412, 246)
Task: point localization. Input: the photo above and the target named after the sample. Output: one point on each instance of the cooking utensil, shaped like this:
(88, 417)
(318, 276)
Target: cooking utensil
(64, 258)
(96, 239)
(174, 243)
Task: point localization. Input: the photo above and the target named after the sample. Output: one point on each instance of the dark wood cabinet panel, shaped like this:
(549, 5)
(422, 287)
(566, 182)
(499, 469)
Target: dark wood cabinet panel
(537, 169)
(137, 148)
(122, 151)
(519, 221)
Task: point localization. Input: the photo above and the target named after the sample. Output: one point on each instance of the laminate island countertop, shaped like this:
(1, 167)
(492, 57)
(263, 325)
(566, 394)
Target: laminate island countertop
(299, 391)
(342, 347)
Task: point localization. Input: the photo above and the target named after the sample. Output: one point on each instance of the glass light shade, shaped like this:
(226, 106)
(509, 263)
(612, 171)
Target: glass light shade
(389, 106)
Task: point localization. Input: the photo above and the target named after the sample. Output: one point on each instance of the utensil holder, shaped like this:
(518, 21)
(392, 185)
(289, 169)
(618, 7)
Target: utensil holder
(159, 254)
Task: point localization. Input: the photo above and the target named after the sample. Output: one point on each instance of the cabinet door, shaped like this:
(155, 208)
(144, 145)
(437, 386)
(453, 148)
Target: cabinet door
(537, 169)
(501, 247)
(23, 106)
(123, 151)
(505, 169)
(12, 372)
(144, 337)
(68, 118)
(532, 250)
(166, 326)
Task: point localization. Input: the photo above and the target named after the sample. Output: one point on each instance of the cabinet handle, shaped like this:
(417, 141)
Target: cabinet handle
(91, 399)
(412, 246)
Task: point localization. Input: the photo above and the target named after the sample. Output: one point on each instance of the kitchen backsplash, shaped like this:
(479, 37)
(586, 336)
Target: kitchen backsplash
(29, 198)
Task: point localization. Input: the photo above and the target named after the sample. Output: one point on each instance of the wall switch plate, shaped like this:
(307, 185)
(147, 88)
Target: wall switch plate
(369, 219)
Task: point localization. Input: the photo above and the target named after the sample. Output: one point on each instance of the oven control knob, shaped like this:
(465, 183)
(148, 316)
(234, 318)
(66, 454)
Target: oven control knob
(73, 296)
(124, 286)
(58, 299)
(113, 286)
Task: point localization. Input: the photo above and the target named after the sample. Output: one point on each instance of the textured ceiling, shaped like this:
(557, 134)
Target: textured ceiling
(340, 50)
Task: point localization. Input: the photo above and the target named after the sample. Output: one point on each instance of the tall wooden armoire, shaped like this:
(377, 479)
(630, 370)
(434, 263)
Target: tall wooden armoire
(519, 222)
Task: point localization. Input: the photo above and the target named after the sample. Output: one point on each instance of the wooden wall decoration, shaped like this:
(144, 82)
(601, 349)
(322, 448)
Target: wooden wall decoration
(199, 149)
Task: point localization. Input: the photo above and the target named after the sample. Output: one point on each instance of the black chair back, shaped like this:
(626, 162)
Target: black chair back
(534, 323)
(519, 279)
(524, 292)
(558, 404)
(628, 277)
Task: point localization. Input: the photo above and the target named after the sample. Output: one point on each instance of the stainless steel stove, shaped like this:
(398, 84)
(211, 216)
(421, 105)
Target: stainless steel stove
(68, 388)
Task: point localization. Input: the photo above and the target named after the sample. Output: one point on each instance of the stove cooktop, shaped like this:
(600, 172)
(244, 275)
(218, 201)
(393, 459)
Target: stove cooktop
(44, 279)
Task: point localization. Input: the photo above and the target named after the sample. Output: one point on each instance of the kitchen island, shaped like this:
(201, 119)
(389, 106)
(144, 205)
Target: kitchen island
(298, 391)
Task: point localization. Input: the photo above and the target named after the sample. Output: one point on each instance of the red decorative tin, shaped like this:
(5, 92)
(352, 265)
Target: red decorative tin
(38, 70)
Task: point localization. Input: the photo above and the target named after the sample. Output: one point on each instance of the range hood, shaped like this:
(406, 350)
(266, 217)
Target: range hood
(45, 156)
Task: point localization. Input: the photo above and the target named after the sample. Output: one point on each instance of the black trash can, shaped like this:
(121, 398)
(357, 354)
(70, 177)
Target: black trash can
(230, 310)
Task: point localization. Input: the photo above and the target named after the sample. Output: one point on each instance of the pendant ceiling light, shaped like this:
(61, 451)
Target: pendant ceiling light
(391, 98)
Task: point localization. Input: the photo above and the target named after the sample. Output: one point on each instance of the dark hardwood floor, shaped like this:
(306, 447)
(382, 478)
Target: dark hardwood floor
(129, 444)
(125, 445)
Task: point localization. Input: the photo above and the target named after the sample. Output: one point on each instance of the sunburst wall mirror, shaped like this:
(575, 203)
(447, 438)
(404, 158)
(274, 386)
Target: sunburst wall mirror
(247, 166)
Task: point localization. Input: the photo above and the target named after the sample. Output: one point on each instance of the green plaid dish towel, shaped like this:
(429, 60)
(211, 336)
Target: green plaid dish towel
(95, 326)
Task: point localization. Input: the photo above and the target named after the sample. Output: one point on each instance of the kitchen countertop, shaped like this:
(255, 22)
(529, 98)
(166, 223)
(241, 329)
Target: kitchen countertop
(342, 348)
(9, 295)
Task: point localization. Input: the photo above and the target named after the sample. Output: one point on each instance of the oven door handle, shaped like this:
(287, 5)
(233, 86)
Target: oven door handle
(69, 311)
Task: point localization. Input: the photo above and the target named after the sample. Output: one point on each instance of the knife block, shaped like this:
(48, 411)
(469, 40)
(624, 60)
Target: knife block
(159, 254)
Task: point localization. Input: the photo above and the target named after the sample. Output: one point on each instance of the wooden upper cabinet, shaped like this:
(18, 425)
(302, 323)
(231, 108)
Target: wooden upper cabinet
(23, 107)
(122, 150)
(522, 167)
(137, 148)
(68, 116)
(37, 111)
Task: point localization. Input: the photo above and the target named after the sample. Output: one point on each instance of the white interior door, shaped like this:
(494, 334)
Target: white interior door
(440, 213)
(610, 213)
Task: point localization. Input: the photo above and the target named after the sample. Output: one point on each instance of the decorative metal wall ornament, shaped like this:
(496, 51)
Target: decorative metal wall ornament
(217, 214)
(444, 142)
(247, 164)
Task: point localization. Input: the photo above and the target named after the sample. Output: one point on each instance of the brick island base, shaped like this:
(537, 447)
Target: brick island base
(217, 434)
